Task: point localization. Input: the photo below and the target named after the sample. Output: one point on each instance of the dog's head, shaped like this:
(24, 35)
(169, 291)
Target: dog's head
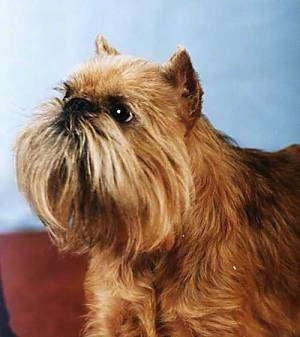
(106, 163)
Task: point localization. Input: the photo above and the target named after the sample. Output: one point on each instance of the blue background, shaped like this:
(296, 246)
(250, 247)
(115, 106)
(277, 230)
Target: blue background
(246, 52)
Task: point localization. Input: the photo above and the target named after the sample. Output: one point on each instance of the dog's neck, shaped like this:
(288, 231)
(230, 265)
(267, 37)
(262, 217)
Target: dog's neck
(217, 168)
(212, 155)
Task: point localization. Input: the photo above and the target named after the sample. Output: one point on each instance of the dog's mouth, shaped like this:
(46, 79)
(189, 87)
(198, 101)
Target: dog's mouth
(75, 203)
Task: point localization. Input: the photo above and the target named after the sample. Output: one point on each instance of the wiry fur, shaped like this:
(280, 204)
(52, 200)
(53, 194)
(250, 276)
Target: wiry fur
(188, 234)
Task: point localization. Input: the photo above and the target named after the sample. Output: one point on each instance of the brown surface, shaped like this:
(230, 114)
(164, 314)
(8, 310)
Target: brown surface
(43, 289)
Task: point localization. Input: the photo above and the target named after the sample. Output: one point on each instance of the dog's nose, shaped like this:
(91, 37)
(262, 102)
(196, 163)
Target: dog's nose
(79, 106)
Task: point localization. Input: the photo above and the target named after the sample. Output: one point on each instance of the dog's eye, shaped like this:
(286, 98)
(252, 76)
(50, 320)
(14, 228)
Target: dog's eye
(120, 113)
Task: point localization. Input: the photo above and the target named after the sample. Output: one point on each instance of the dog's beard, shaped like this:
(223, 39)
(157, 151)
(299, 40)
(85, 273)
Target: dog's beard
(93, 186)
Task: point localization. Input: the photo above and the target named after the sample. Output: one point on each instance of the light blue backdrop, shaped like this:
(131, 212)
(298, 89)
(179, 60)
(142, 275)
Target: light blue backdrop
(247, 53)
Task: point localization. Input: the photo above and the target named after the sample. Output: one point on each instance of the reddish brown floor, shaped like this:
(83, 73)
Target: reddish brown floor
(43, 289)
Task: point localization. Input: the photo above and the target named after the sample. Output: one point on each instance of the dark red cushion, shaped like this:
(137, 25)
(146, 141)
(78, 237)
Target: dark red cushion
(43, 289)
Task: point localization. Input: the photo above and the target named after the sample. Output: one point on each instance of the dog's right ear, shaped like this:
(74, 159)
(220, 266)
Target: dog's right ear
(180, 72)
(102, 47)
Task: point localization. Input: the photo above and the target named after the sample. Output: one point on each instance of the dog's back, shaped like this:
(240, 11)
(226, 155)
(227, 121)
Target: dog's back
(274, 181)
(281, 169)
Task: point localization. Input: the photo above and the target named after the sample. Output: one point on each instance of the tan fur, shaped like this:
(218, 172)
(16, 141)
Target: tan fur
(188, 235)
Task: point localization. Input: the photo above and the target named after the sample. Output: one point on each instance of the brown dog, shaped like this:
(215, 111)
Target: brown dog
(188, 234)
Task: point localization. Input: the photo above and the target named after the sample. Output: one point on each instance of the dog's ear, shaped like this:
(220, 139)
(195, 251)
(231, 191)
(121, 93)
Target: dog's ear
(180, 72)
(102, 46)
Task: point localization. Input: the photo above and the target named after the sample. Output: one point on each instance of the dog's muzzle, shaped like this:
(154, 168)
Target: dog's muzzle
(78, 106)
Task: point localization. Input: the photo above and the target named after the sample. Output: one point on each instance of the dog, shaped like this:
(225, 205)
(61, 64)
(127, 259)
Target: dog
(187, 233)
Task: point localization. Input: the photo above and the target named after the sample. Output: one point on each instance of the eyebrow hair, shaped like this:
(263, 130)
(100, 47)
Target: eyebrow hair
(114, 99)
(68, 89)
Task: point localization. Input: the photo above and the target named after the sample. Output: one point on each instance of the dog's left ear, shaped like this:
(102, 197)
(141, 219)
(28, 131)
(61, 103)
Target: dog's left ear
(180, 72)
(102, 46)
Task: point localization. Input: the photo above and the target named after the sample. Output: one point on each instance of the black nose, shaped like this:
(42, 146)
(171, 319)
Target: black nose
(78, 106)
